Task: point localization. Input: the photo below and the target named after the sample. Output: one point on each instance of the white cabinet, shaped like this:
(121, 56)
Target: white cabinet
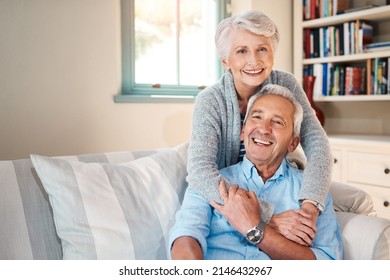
(364, 161)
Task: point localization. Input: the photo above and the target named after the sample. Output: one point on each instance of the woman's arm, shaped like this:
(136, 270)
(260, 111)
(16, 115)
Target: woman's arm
(205, 152)
(314, 141)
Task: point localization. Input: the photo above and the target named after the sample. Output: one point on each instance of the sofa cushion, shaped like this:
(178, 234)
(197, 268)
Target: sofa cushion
(97, 206)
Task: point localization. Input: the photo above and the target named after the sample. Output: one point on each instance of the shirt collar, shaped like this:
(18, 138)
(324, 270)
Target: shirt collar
(249, 169)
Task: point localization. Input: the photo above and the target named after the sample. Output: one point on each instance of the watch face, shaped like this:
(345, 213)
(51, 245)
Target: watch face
(255, 235)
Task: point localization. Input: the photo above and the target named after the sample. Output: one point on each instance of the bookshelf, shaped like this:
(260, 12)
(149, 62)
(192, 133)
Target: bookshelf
(380, 16)
(358, 126)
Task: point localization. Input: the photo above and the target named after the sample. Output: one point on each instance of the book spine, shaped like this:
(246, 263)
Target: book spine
(388, 75)
(347, 48)
(384, 80)
(369, 77)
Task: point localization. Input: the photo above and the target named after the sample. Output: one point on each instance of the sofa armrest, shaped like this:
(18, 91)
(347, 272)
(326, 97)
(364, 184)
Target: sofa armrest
(365, 237)
(347, 198)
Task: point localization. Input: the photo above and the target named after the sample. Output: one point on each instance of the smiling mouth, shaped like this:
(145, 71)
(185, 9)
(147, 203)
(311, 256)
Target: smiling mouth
(262, 142)
(253, 72)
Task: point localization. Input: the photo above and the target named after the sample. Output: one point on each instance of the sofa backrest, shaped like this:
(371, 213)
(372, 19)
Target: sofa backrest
(27, 229)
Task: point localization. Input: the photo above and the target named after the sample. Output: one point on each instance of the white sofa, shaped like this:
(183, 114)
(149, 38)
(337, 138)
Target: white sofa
(121, 205)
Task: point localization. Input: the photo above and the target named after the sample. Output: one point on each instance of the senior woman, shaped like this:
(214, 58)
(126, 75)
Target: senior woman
(246, 45)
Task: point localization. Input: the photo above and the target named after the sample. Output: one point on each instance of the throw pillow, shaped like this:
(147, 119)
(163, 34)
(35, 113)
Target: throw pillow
(115, 211)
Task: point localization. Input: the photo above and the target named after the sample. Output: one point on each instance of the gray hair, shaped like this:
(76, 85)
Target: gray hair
(253, 21)
(284, 92)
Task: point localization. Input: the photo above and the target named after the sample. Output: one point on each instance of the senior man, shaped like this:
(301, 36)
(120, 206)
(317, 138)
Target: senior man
(234, 230)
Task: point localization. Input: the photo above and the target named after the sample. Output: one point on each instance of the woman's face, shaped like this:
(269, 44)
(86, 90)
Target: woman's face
(250, 59)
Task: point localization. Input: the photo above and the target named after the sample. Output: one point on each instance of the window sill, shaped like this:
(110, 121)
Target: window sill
(133, 98)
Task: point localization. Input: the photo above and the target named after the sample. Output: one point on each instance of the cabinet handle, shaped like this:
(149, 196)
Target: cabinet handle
(386, 203)
(335, 160)
(387, 170)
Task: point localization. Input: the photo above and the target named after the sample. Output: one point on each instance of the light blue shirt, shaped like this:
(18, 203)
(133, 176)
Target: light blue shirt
(219, 240)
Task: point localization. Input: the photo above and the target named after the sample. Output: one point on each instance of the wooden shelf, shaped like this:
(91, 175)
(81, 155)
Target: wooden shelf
(347, 58)
(377, 13)
(350, 138)
(349, 98)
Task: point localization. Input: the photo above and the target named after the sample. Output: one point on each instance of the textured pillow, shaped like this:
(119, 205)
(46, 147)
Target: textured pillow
(115, 211)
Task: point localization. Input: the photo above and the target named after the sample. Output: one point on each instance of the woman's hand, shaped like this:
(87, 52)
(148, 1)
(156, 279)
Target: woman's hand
(296, 225)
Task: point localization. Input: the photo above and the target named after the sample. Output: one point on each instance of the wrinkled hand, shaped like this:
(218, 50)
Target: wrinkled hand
(296, 225)
(241, 208)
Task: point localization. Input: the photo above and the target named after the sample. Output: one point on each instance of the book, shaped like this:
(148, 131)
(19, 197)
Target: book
(325, 79)
(336, 80)
(342, 5)
(316, 42)
(378, 46)
(369, 77)
(388, 75)
(347, 46)
(329, 81)
(375, 75)
(354, 80)
(379, 78)
(352, 37)
(306, 38)
(365, 35)
(317, 71)
(342, 80)
(384, 76)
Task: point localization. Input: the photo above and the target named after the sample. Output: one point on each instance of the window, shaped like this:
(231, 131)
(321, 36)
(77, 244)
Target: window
(168, 48)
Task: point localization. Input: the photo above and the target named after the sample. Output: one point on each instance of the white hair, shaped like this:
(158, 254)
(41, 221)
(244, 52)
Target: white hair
(253, 21)
(284, 92)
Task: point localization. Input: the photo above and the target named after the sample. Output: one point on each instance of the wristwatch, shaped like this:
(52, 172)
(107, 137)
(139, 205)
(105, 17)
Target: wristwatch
(255, 235)
(316, 204)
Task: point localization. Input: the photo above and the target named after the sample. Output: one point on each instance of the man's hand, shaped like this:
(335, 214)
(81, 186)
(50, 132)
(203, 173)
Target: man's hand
(296, 225)
(241, 208)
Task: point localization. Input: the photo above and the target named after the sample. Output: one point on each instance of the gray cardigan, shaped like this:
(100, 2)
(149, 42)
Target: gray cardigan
(215, 140)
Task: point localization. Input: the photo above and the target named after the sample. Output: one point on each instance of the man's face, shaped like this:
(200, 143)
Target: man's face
(250, 58)
(268, 131)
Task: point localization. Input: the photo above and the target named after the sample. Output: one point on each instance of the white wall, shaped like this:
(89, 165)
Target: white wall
(59, 71)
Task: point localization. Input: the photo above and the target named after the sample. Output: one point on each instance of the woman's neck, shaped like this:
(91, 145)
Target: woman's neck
(243, 98)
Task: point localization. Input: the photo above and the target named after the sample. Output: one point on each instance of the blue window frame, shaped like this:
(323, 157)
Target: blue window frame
(168, 51)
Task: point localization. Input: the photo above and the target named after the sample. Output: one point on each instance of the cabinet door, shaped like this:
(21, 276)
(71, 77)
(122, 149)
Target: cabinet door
(337, 162)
